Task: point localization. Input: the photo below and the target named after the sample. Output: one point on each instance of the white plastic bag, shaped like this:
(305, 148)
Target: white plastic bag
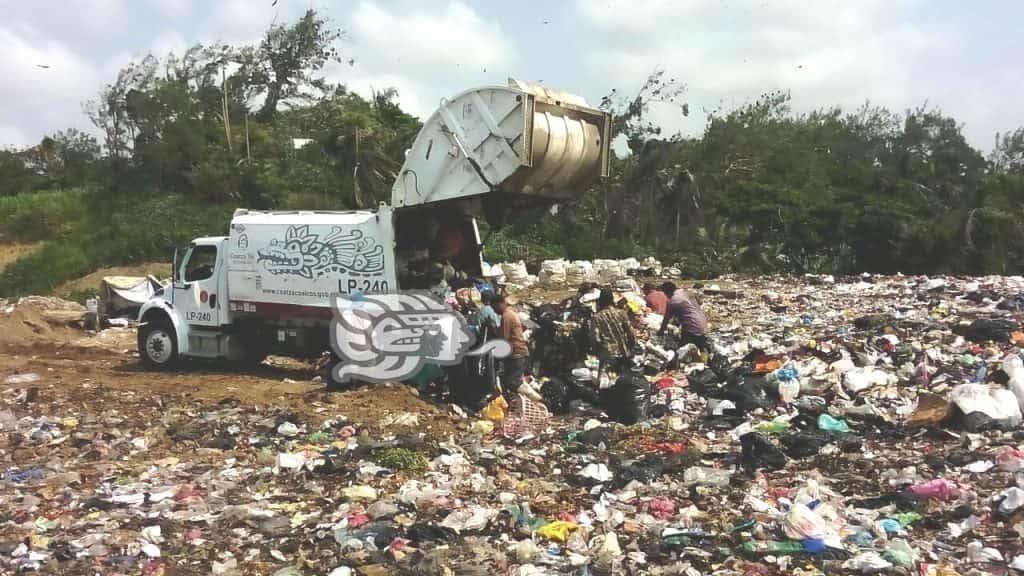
(997, 403)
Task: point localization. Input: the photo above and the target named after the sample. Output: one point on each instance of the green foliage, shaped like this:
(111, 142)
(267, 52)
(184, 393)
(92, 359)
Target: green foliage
(400, 459)
(31, 217)
(108, 234)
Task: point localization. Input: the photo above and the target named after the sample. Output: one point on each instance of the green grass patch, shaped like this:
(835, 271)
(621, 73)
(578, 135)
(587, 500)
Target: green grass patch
(400, 459)
(38, 216)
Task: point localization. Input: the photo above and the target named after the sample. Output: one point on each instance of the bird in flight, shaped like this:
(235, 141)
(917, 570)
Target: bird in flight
(45, 66)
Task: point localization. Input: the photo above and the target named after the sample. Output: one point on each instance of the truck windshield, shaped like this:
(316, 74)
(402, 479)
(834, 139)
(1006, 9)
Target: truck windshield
(200, 263)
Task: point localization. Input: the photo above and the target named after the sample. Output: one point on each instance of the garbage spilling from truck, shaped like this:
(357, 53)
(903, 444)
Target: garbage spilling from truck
(837, 425)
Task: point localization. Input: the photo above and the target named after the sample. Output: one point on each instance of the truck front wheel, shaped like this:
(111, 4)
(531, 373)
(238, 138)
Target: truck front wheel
(158, 345)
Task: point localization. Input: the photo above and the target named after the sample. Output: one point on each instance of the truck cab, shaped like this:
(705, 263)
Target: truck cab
(173, 321)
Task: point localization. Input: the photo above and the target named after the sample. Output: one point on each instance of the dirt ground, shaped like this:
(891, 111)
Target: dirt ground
(78, 367)
(11, 252)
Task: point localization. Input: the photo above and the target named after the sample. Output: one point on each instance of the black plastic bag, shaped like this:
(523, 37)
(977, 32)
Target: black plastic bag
(643, 471)
(704, 381)
(804, 444)
(759, 452)
(423, 532)
(555, 393)
(985, 329)
(629, 399)
(719, 363)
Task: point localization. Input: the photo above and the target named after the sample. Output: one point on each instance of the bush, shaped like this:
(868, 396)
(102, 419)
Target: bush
(35, 216)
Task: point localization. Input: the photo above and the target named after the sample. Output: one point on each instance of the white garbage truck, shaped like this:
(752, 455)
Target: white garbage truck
(267, 286)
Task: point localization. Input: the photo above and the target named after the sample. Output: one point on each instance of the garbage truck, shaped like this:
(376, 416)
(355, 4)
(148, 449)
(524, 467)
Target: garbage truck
(268, 286)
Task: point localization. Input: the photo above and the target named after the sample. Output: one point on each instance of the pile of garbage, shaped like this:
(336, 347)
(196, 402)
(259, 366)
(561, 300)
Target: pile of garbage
(561, 272)
(840, 426)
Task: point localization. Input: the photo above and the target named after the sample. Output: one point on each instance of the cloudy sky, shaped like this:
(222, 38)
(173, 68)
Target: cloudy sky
(963, 57)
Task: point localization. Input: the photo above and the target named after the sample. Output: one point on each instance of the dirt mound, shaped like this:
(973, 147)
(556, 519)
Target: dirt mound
(36, 319)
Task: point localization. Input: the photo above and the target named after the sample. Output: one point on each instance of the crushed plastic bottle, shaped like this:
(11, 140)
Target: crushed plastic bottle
(772, 547)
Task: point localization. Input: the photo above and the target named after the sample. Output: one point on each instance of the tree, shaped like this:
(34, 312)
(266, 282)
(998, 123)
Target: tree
(630, 121)
(285, 63)
(16, 176)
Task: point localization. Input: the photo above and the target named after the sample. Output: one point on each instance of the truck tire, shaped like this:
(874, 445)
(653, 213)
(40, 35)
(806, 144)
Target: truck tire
(254, 352)
(158, 344)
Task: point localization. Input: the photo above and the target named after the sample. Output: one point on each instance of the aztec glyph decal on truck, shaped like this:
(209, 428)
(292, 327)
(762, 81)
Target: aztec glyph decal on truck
(303, 253)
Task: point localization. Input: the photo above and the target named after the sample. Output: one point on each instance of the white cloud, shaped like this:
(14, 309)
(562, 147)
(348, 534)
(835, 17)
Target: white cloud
(426, 50)
(96, 16)
(242, 21)
(12, 137)
(169, 41)
(173, 8)
(50, 97)
(368, 84)
(824, 53)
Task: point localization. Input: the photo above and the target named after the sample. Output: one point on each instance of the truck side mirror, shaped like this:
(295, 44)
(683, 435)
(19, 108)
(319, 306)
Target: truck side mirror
(174, 269)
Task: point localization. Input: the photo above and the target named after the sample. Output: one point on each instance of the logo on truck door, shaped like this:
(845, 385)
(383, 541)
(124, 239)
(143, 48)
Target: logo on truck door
(307, 255)
(389, 337)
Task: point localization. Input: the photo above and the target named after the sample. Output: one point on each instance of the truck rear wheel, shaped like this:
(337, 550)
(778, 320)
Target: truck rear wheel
(254, 352)
(158, 345)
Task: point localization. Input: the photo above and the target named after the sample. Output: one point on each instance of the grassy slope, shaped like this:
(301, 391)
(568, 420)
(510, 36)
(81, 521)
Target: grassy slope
(82, 233)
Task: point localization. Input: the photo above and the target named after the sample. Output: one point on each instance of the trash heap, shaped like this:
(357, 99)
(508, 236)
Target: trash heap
(843, 426)
(561, 272)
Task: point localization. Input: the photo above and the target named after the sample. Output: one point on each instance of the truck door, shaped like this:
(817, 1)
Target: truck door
(196, 292)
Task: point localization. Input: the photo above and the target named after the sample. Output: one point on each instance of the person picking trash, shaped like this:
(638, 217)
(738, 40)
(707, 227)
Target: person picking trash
(611, 334)
(511, 330)
(655, 299)
(684, 309)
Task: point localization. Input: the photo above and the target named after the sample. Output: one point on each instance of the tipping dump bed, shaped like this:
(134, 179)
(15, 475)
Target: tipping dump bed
(522, 141)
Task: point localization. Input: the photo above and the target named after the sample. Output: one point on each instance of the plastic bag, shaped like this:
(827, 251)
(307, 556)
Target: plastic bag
(558, 530)
(788, 391)
(556, 395)
(1013, 498)
(802, 523)
(829, 424)
(496, 409)
(704, 476)
(629, 399)
(859, 379)
(997, 404)
(937, 489)
(759, 452)
(978, 553)
(1010, 459)
(469, 519)
(360, 493)
(867, 563)
(1014, 368)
